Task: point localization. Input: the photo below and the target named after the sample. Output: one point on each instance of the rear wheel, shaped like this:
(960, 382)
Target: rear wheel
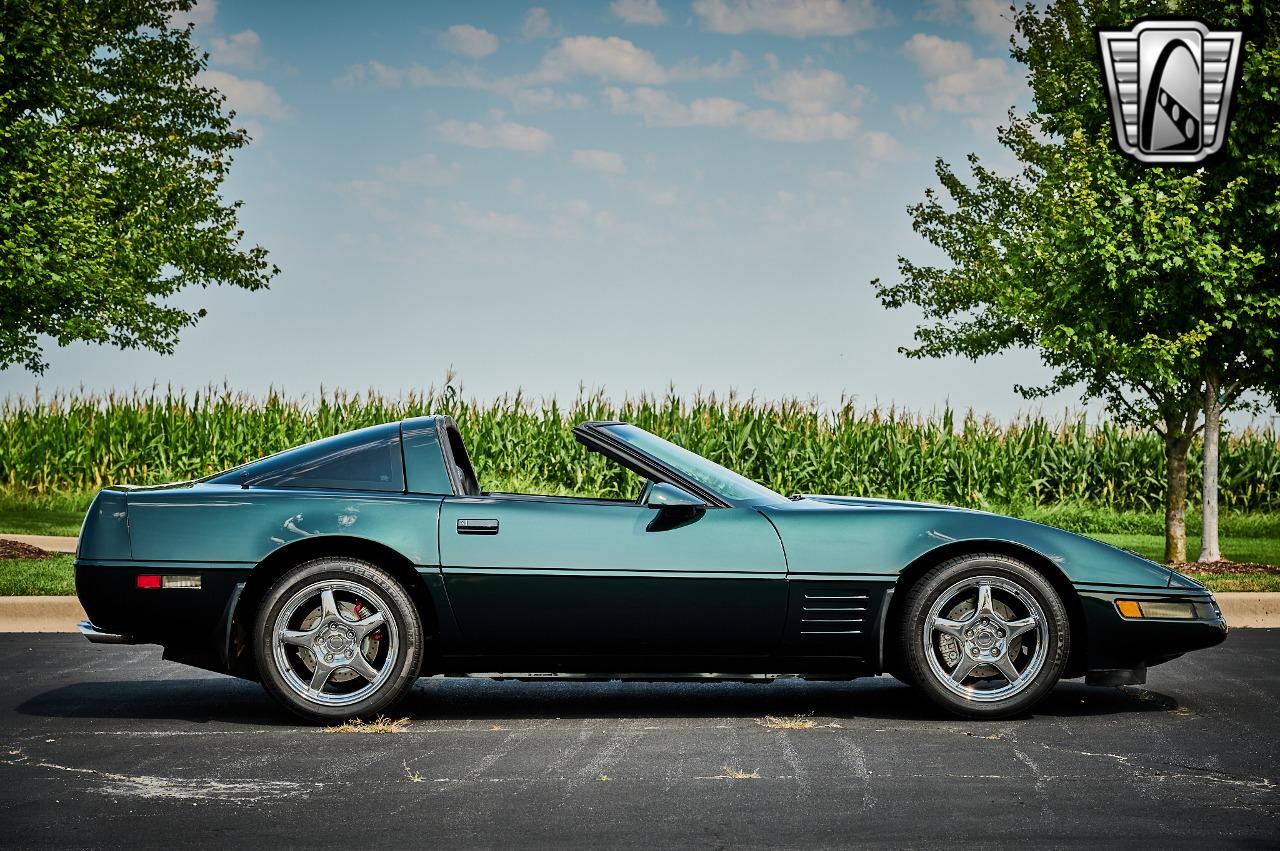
(985, 636)
(337, 638)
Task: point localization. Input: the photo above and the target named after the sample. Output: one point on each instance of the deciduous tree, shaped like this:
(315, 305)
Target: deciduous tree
(1142, 286)
(111, 159)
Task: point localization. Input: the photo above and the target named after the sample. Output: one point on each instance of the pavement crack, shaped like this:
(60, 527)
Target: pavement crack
(242, 791)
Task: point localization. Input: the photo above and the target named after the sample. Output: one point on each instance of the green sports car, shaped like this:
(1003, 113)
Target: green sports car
(339, 572)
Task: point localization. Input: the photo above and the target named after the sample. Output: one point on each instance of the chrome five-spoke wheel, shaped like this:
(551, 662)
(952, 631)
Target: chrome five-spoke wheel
(985, 635)
(989, 638)
(334, 643)
(337, 638)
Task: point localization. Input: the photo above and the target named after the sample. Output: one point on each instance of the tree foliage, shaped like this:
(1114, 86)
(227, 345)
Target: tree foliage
(111, 159)
(1136, 284)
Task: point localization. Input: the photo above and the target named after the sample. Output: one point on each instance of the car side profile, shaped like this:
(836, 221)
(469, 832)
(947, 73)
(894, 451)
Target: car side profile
(339, 572)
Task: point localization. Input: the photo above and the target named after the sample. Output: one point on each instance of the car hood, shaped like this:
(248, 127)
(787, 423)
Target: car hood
(824, 533)
(866, 501)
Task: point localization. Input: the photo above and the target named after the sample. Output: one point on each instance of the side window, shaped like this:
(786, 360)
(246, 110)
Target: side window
(375, 466)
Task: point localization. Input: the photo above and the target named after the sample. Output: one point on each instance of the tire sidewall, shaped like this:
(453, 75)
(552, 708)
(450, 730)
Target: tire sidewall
(400, 609)
(916, 638)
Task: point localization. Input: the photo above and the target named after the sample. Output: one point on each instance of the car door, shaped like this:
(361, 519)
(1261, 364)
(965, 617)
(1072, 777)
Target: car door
(550, 575)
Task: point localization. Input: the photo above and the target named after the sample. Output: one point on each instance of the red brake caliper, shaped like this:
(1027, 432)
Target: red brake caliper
(359, 607)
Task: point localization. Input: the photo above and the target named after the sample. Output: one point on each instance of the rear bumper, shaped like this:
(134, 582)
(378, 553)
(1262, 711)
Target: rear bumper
(116, 606)
(97, 636)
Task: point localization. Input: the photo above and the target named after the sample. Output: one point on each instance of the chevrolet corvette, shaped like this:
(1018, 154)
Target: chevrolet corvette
(339, 572)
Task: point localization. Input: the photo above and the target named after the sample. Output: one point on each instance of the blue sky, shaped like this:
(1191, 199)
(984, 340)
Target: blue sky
(624, 195)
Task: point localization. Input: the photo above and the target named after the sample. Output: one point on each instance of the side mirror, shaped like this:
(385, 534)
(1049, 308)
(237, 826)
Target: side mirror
(666, 495)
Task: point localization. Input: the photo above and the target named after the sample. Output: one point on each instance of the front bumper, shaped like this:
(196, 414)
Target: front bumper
(1117, 643)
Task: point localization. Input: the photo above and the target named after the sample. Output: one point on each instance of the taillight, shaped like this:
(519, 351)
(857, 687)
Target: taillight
(181, 580)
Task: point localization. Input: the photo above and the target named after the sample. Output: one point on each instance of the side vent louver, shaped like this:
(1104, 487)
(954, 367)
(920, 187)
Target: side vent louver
(832, 611)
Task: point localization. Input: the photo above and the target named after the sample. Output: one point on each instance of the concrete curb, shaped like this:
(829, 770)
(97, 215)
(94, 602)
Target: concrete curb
(1245, 609)
(41, 614)
(48, 543)
(1242, 610)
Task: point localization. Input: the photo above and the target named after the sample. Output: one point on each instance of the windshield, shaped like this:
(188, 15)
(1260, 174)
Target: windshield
(724, 482)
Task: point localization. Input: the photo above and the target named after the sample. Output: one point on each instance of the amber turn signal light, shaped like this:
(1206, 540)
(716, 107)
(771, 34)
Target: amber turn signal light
(1156, 609)
(1129, 608)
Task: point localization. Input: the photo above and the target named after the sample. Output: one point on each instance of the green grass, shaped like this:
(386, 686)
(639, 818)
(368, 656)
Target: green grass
(37, 577)
(1249, 550)
(1088, 519)
(43, 514)
(1251, 582)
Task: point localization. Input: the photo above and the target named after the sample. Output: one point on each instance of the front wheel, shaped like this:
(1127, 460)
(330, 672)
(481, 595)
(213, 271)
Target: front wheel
(337, 638)
(985, 636)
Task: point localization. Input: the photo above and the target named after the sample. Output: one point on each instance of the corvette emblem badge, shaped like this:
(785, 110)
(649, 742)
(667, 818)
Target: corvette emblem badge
(1170, 85)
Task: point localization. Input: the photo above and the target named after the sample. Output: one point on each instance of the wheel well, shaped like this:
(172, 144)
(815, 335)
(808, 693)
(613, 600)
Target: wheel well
(291, 555)
(1076, 662)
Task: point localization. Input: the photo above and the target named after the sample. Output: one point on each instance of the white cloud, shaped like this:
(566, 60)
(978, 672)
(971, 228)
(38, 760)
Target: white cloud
(203, 12)
(660, 109)
(502, 134)
(242, 50)
(246, 97)
(989, 17)
(813, 92)
(617, 59)
(646, 12)
(537, 24)
(796, 18)
(595, 160)
(544, 97)
(609, 59)
(935, 56)
(523, 97)
(375, 195)
(880, 146)
(424, 170)
(913, 115)
(661, 194)
(385, 76)
(368, 195)
(691, 69)
(469, 41)
(960, 82)
(490, 221)
(780, 127)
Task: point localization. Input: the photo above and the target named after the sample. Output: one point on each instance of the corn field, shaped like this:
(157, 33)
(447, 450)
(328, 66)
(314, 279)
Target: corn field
(76, 442)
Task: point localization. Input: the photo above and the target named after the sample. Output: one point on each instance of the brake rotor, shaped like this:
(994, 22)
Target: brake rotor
(352, 612)
(950, 648)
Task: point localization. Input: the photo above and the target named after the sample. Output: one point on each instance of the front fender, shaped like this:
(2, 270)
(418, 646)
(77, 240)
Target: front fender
(884, 539)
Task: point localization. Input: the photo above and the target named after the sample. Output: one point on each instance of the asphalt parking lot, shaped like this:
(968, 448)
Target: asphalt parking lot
(111, 747)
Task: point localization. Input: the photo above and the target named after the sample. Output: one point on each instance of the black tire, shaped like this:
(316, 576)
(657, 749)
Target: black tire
(989, 647)
(391, 651)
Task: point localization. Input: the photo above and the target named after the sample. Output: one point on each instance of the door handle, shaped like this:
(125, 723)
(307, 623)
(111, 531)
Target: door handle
(473, 526)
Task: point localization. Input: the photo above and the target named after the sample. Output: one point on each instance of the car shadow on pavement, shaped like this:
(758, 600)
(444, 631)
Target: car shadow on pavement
(873, 698)
(195, 699)
(239, 702)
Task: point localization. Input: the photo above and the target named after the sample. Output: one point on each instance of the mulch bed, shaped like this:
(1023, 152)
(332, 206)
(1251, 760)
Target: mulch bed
(1221, 567)
(13, 549)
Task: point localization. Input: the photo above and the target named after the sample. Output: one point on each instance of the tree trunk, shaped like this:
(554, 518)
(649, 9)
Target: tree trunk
(1176, 444)
(1209, 550)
